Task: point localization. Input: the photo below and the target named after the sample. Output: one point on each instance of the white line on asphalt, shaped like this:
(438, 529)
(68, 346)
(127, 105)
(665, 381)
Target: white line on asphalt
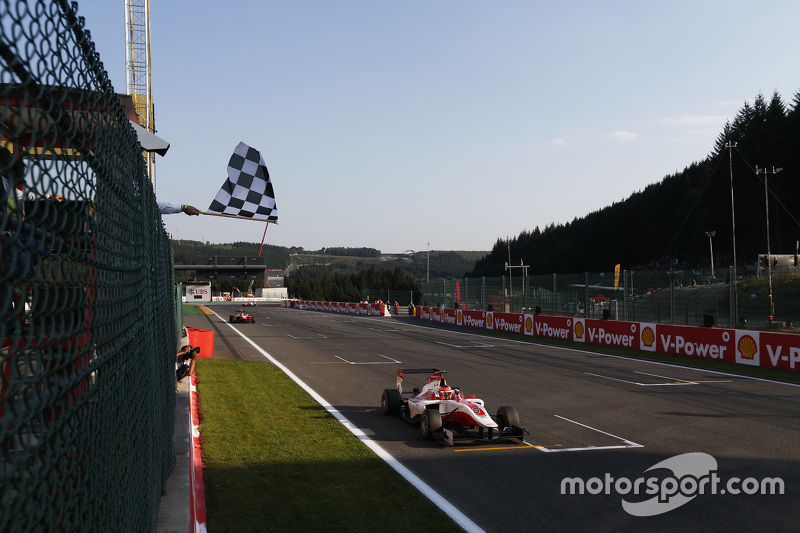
(628, 443)
(390, 361)
(448, 508)
(642, 384)
(589, 352)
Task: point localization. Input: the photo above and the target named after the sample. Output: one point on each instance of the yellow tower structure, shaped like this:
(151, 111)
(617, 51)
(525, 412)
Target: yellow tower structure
(137, 66)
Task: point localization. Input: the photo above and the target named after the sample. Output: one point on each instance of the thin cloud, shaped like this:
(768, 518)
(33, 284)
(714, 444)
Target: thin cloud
(558, 140)
(623, 135)
(696, 120)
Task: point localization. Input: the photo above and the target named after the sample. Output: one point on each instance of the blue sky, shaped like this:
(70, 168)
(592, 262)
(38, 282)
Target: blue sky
(394, 124)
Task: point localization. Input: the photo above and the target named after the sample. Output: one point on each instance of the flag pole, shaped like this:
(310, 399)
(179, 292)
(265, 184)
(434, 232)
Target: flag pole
(262, 239)
(237, 216)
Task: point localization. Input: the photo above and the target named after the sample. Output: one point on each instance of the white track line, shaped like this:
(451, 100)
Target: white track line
(641, 384)
(628, 443)
(448, 508)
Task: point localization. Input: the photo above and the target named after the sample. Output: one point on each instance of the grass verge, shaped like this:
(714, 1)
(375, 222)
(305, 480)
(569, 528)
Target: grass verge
(193, 309)
(275, 460)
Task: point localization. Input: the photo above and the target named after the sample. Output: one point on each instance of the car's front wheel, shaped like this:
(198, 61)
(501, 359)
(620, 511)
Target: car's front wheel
(430, 423)
(391, 401)
(507, 417)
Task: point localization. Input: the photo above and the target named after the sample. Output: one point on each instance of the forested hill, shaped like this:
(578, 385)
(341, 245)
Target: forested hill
(317, 264)
(667, 221)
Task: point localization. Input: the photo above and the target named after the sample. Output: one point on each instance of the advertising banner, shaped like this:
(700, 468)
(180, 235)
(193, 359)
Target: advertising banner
(612, 333)
(579, 330)
(647, 337)
(553, 327)
(508, 322)
(448, 316)
(705, 343)
(473, 319)
(776, 350)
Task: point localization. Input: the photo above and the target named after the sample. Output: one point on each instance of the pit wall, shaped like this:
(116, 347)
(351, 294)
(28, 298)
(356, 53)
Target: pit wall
(754, 348)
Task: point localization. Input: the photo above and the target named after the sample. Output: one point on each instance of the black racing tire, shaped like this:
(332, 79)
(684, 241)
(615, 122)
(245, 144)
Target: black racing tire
(507, 417)
(430, 422)
(230, 319)
(391, 402)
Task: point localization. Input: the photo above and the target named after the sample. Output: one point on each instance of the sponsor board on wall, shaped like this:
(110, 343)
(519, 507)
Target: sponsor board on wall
(746, 348)
(448, 316)
(779, 350)
(705, 343)
(754, 348)
(612, 333)
(553, 327)
(507, 322)
(473, 319)
(647, 337)
(579, 330)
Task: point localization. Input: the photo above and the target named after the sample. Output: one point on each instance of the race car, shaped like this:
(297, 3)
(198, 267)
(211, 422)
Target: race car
(444, 414)
(241, 317)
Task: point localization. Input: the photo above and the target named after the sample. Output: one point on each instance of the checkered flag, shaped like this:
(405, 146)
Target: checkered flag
(248, 191)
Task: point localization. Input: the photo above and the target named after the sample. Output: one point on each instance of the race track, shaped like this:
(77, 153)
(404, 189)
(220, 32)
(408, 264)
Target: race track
(602, 421)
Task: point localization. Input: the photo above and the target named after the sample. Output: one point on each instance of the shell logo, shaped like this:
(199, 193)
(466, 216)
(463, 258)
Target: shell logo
(578, 330)
(489, 320)
(459, 316)
(528, 324)
(747, 347)
(648, 337)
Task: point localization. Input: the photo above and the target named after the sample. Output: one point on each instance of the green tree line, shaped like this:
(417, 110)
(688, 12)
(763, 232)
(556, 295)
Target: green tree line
(665, 223)
(318, 283)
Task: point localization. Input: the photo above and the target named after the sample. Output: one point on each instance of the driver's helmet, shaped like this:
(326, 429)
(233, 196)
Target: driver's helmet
(446, 392)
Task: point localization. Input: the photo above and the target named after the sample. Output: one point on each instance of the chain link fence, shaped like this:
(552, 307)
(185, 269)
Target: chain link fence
(87, 301)
(690, 297)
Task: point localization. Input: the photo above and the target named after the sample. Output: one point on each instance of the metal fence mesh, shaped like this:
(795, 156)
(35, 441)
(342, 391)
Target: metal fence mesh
(683, 297)
(87, 299)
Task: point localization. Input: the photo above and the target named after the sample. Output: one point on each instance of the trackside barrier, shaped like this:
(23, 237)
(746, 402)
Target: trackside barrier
(745, 347)
(374, 309)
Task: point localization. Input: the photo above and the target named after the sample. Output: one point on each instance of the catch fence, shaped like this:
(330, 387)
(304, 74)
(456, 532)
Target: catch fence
(87, 301)
(681, 297)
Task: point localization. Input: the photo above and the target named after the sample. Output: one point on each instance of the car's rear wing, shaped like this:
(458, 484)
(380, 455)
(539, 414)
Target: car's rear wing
(402, 371)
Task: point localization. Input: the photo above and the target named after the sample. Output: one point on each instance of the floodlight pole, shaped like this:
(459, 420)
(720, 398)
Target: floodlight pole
(711, 247)
(734, 309)
(769, 260)
(428, 275)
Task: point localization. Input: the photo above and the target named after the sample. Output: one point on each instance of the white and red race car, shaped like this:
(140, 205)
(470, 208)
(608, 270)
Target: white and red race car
(241, 318)
(444, 414)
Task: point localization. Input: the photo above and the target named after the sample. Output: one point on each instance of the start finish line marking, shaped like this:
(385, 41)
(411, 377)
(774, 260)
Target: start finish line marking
(675, 381)
(387, 362)
(627, 443)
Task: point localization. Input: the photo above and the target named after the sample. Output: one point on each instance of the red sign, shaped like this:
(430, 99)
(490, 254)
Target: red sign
(775, 350)
(612, 333)
(552, 327)
(508, 322)
(473, 319)
(705, 343)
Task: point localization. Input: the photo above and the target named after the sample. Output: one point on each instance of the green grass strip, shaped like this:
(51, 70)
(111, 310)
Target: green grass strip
(192, 309)
(275, 460)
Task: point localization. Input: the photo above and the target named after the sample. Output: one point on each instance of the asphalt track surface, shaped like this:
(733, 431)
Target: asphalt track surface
(594, 417)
